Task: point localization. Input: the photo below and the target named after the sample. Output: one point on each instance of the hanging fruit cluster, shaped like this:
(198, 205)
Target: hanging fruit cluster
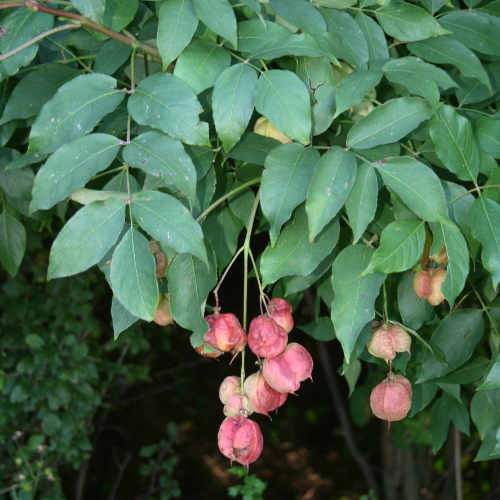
(282, 368)
(390, 400)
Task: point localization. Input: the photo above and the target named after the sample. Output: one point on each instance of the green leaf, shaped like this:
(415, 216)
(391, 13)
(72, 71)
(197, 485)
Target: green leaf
(111, 56)
(455, 143)
(86, 238)
(222, 229)
(388, 123)
(335, 4)
(448, 50)
(254, 5)
(253, 148)
(423, 394)
(20, 26)
(261, 39)
(119, 14)
(448, 236)
(74, 111)
(321, 330)
(168, 221)
(401, 245)
(488, 135)
(484, 411)
(433, 6)
(91, 8)
(167, 103)
(12, 243)
(201, 63)
(317, 73)
(283, 98)
(417, 186)
(476, 30)
(414, 311)
(374, 36)
(34, 90)
(351, 372)
(492, 380)
(361, 203)
(218, 15)
(407, 22)
(189, 283)
(87, 196)
(232, 102)
(133, 275)
(71, 167)
(301, 14)
(471, 91)
(165, 159)
(329, 188)
(121, 317)
(459, 204)
(354, 302)
(289, 169)
(293, 254)
(483, 220)
(455, 339)
(402, 71)
(344, 39)
(353, 89)
(177, 23)
(445, 411)
(241, 204)
(475, 369)
(16, 184)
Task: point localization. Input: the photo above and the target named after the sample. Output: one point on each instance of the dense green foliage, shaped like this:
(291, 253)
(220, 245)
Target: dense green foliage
(57, 372)
(143, 113)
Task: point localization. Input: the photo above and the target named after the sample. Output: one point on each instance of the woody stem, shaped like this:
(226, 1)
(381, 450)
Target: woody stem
(246, 252)
(87, 23)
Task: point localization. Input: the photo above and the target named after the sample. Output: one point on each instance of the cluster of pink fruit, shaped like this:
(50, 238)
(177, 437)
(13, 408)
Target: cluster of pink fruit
(391, 399)
(282, 368)
(428, 281)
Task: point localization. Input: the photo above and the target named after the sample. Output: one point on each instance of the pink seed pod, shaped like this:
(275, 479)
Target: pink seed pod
(240, 439)
(236, 405)
(436, 296)
(391, 399)
(285, 372)
(387, 341)
(422, 284)
(281, 311)
(263, 398)
(224, 332)
(266, 338)
(229, 387)
(207, 351)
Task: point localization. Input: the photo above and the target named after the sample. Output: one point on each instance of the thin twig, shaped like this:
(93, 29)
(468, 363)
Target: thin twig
(37, 38)
(119, 476)
(246, 251)
(87, 23)
(262, 298)
(228, 195)
(484, 307)
(223, 277)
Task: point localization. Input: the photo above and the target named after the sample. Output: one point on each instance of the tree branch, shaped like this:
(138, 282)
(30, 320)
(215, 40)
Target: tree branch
(37, 38)
(457, 464)
(338, 405)
(87, 23)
